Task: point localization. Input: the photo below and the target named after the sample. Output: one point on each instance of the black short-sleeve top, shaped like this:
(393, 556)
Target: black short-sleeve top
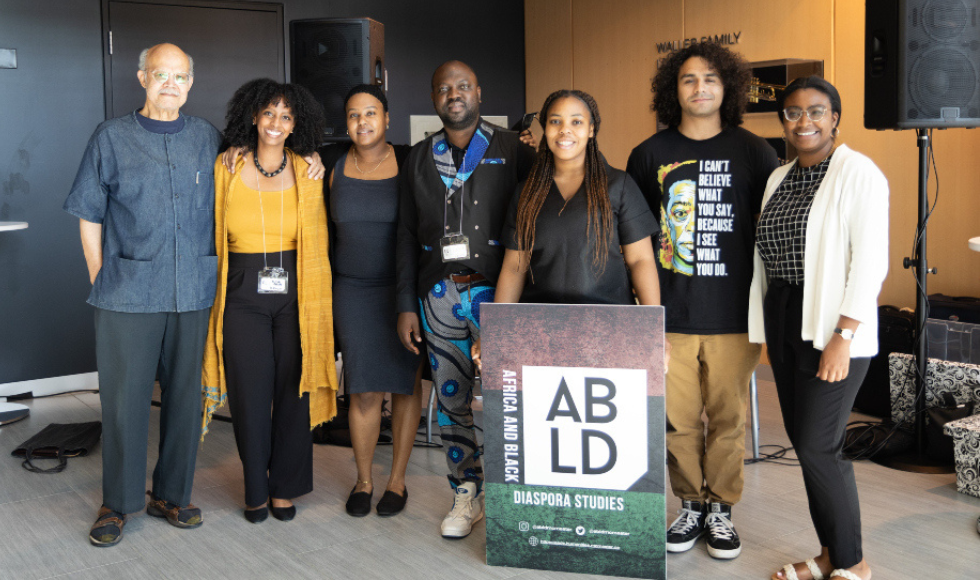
(561, 263)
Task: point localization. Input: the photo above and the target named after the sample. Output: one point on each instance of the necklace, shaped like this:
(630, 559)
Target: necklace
(255, 157)
(354, 150)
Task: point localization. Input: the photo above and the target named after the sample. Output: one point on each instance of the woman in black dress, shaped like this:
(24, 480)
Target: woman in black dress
(362, 204)
(571, 219)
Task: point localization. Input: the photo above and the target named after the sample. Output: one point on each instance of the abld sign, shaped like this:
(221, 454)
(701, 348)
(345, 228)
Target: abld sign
(584, 427)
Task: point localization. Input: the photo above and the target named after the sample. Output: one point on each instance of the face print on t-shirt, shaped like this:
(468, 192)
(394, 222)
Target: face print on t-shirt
(693, 211)
(677, 217)
(679, 223)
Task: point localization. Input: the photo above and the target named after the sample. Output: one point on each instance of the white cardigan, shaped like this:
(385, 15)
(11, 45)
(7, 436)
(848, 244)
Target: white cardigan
(846, 256)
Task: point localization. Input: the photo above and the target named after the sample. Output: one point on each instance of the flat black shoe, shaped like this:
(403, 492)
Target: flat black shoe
(283, 514)
(359, 503)
(257, 515)
(391, 503)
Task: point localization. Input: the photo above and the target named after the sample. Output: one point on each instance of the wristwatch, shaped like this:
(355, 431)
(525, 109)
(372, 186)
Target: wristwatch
(844, 333)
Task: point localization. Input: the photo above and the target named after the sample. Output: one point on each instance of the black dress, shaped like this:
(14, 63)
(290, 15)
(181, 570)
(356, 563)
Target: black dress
(363, 216)
(561, 263)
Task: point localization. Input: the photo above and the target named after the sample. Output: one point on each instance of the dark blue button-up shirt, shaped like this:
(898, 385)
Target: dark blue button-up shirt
(154, 196)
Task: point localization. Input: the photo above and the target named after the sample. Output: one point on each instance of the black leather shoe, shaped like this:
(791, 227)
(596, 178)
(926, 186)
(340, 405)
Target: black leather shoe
(391, 503)
(257, 515)
(359, 503)
(283, 514)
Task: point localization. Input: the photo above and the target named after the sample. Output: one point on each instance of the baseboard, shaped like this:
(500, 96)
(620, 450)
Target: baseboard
(52, 386)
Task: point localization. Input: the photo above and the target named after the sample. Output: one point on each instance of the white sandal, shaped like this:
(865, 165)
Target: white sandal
(845, 574)
(789, 570)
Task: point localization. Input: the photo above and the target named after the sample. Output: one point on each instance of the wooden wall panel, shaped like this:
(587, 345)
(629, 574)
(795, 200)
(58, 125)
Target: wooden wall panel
(770, 30)
(547, 49)
(615, 59)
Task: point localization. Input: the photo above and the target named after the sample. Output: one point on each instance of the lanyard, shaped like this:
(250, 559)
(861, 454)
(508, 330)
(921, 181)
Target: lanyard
(282, 211)
(445, 211)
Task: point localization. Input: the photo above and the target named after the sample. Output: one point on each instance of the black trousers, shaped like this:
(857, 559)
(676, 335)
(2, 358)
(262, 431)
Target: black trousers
(263, 363)
(815, 413)
(131, 350)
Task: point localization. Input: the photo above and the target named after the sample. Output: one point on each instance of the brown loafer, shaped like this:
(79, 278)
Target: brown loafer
(188, 516)
(107, 529)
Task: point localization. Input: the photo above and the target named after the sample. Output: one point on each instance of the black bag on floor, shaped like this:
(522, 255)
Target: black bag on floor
(939, 446)
(957, 308)
(896, 330)
(59, 441)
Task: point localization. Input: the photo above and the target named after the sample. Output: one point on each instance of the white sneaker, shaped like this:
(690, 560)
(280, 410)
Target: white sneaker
(467, 510)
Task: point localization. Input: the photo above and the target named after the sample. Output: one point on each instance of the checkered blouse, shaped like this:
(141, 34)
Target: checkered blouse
(781, 235)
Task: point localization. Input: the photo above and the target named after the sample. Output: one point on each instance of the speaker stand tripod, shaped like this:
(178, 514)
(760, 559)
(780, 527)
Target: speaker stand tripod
(916, 460)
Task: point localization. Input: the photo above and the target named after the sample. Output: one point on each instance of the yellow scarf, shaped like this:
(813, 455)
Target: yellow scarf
(319, 374)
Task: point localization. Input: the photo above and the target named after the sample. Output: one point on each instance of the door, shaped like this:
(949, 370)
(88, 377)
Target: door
(231, 43)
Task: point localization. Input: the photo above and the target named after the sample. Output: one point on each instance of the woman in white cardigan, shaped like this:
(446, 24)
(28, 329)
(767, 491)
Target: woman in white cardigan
(821, 257)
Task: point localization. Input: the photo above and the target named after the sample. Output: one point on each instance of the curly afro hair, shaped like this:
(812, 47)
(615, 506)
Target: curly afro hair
(257, 94)
(730, 66)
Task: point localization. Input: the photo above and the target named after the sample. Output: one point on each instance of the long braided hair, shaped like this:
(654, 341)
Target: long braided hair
(539, 181)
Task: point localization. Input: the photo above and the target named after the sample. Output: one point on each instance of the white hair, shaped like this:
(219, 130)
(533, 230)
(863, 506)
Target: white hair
(146, 51)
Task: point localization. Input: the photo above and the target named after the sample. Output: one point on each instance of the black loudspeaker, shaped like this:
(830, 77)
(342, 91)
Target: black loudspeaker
(921, 64)
(330, 56)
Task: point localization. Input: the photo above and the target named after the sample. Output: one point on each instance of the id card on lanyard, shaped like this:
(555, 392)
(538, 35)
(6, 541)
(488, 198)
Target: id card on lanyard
(273, 280)
(454, 246)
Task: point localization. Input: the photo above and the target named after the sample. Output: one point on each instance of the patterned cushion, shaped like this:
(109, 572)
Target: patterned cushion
(960, 379)
(966, 450)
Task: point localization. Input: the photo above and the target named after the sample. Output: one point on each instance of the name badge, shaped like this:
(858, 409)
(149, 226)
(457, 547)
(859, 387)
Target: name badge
(455, 248)
(273, 281)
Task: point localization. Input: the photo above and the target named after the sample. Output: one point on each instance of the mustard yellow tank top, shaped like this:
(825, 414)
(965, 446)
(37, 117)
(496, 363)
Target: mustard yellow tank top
(244, 219)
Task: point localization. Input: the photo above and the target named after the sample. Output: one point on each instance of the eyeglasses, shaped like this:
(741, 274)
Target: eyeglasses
(161, 76)
(794, 114)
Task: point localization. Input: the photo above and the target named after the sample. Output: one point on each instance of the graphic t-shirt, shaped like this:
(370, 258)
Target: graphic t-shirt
(706, 195)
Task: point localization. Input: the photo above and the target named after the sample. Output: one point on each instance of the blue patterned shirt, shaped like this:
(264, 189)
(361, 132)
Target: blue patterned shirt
(153, 194)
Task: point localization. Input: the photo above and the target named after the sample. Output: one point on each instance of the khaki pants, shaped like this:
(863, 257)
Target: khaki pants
(708, 373)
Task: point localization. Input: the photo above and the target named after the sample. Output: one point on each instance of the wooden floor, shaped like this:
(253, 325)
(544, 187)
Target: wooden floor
(915, 526)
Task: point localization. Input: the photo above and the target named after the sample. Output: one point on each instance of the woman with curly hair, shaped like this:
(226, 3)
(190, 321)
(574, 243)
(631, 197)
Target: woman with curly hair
(579, 227)
(270, 340)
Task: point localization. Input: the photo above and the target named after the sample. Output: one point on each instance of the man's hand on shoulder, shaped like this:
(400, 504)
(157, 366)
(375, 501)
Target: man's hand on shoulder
(230, 157)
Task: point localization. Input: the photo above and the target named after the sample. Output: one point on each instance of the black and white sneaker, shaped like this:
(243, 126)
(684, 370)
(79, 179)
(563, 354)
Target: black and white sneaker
(723, 542)
(685, 531)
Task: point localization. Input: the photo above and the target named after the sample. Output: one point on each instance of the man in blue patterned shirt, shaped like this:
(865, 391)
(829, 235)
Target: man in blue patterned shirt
(144, 195)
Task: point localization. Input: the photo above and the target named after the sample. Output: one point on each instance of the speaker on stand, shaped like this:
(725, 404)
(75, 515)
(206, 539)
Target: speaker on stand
(329, 56)
(921, 69)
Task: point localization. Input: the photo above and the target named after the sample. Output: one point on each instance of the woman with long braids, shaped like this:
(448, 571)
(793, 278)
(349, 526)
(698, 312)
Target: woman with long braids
(270, 340)
(571, 219)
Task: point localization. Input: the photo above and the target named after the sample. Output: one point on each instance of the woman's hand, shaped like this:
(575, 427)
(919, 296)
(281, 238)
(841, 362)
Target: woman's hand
(475, 354)
(528, 138)
(316, 170)
(835, 360)
(667, 348)
(408, 330)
